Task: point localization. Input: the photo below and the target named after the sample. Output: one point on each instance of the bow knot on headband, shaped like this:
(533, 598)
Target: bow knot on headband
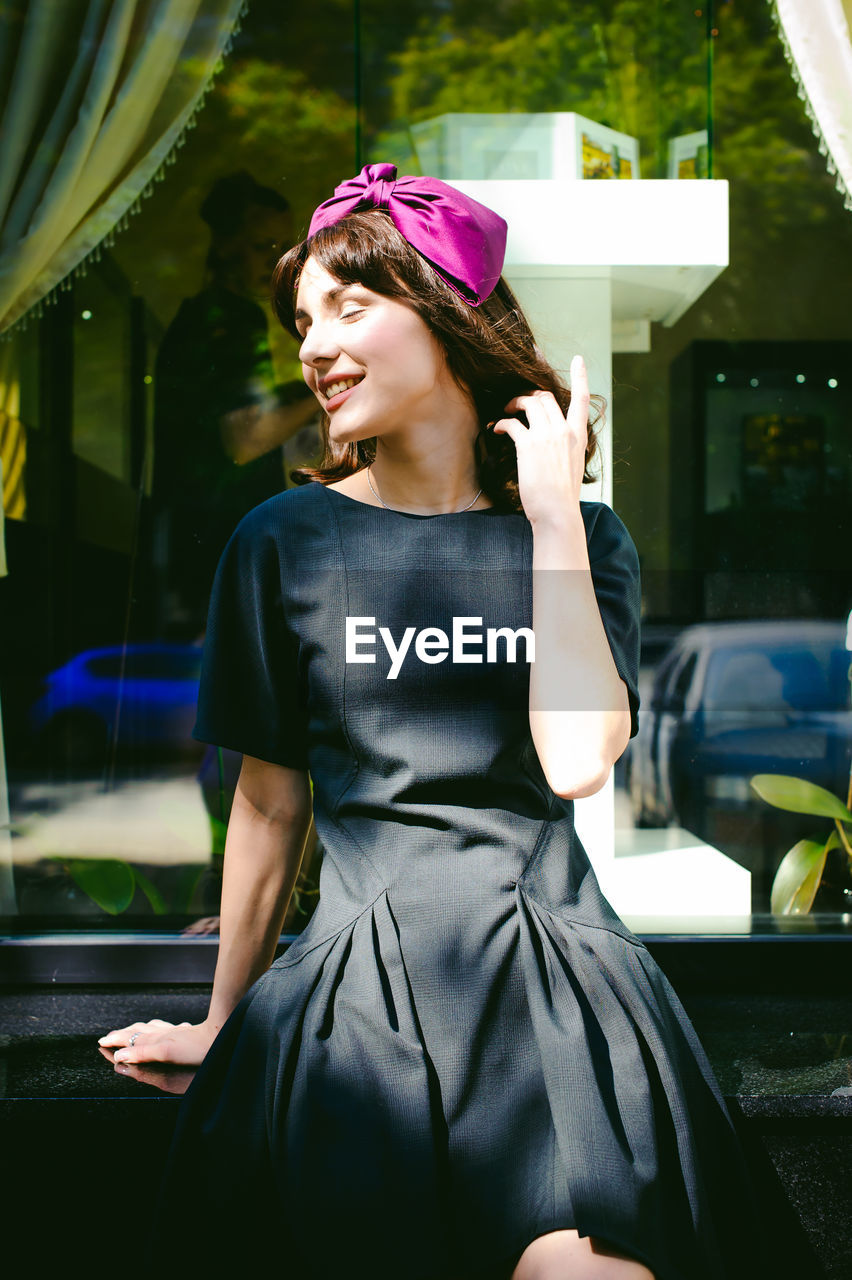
(463, 240)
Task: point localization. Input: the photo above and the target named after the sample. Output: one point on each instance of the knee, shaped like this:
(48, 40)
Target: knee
(615, 1265)
(565, 1255)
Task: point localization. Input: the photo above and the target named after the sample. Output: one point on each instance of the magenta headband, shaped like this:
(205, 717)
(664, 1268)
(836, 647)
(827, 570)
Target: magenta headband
(460, 238)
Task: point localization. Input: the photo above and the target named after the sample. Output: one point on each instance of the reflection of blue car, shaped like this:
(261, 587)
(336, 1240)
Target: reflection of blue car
(734, 699)
(141, 696)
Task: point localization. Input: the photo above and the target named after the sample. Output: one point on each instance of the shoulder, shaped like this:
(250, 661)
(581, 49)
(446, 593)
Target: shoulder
(277, 550)
(607, 534)
(182, 325)
(232, 310)
(298, 512)
(194, 312)
(190, 331)
(219, 310)
(602, 523)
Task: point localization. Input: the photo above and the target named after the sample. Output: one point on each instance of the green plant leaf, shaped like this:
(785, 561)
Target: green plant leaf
(109, 883)
(183, 888)
(833, 841)
(799, 796)
(152, 893)
(797, 879)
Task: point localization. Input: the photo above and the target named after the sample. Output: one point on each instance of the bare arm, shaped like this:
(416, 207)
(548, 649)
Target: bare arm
(263, 853)
(579, 713)
(269, 822)
(250, 432)
(579, 710)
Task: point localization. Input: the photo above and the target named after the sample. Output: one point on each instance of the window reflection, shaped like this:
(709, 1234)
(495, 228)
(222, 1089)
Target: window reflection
(734, 700)
(156, 403)
(100, 415)
(221, 418)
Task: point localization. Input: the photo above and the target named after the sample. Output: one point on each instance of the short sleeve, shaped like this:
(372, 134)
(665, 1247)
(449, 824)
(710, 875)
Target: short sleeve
(615, 574)
(249, 698)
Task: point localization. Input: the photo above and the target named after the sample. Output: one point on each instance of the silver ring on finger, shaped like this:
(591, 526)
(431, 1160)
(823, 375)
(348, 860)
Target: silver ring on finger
(133, 1039)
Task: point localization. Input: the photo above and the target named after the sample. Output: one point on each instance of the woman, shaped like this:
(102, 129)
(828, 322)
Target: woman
(465, 1066)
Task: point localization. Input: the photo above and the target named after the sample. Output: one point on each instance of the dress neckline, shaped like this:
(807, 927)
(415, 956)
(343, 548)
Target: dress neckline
(414, 515)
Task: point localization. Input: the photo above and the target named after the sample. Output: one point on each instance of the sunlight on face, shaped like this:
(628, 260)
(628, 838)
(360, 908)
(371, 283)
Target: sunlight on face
(371, 361)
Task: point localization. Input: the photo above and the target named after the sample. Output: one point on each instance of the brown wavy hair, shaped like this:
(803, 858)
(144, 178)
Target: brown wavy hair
(490, 350)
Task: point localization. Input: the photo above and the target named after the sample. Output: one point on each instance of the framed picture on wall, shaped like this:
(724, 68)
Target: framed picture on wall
(688, 155)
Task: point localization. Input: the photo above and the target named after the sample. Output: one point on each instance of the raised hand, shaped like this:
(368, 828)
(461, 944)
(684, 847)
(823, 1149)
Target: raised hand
(551, 448)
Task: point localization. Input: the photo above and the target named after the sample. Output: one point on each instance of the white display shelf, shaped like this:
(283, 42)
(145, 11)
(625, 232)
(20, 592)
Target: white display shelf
(672, 873)
(659, 243)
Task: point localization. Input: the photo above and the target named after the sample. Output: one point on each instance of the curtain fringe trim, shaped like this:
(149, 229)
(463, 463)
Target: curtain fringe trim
(802, 92)
(95, 254)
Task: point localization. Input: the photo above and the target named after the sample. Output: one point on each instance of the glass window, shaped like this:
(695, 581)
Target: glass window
(679, 687)
(789, 679)
(101, 406)
(130, 450)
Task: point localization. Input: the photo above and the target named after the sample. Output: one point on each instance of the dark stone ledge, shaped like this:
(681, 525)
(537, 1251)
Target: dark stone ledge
(84, 1145)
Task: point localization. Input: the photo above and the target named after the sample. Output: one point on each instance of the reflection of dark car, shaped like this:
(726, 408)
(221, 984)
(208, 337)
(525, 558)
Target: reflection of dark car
(656, 641)
(139, 696)
(734, 699)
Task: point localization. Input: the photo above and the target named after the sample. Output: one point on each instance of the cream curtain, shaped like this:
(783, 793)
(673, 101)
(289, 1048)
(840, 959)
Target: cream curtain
(817, 36)
(95, 95)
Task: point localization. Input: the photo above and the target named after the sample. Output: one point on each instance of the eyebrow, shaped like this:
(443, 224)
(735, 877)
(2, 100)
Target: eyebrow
(331, 296)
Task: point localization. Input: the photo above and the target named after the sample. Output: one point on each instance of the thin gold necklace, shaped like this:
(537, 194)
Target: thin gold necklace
(444, 513)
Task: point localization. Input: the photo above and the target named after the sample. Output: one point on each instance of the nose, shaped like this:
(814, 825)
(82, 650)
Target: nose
(318, 345)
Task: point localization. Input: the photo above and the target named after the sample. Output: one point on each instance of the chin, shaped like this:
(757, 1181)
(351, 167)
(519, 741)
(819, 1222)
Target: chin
(349, 434)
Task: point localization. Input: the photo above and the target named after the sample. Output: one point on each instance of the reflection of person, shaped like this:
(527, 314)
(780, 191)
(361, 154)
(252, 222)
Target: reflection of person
(220, 423)
(220, 419)
(465, 1065)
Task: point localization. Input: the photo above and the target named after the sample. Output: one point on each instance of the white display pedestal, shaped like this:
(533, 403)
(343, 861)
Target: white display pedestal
(671, 873)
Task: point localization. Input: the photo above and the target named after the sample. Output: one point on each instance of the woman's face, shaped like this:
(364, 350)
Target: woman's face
(370, 360)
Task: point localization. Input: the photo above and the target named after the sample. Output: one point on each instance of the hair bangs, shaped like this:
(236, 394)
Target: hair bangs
(363, 248)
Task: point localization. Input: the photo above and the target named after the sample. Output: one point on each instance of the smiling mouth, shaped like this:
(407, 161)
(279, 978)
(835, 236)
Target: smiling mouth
(344, 384)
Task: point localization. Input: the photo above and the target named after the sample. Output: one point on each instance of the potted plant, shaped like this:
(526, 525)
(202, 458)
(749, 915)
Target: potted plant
(826, 861)
(803, 867)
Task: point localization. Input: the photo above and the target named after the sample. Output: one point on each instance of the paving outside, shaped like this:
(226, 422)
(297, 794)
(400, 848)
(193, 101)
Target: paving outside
(159, 820)
(163, 819)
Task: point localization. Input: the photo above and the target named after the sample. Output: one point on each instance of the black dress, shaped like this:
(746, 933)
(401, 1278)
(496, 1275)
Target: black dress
(466, 1047)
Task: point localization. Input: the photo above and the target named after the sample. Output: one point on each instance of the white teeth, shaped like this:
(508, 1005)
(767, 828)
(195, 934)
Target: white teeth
(335, 388)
